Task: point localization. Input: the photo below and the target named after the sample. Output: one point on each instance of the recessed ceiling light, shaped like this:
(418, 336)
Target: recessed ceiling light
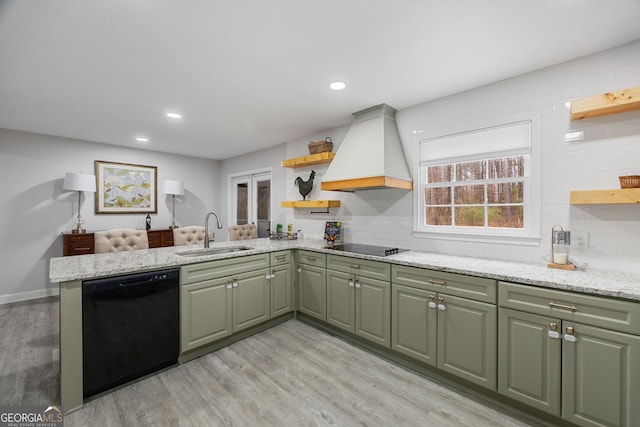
(142, 139)
(338, 85)
(174, 115)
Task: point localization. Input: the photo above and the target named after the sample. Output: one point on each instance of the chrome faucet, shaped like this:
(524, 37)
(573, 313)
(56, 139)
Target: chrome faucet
(206, 227)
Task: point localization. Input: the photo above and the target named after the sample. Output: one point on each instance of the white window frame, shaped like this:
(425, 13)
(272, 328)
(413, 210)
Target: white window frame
(530, 234)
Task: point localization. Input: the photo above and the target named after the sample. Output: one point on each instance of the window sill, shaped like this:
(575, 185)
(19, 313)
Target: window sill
(519, 240)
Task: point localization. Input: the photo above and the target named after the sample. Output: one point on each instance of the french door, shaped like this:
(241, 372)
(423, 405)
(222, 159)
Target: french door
(250, 203)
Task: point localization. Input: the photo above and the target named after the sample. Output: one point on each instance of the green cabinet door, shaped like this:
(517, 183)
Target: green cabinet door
(373, 310)
(467, 339)
(251, 299)
(414, 323)
(205, 312)
(312, 291)
(600, 376)
(340, 300)
(529, 359)
(281, 289)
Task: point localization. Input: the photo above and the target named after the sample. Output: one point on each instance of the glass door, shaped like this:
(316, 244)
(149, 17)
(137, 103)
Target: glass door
(251, 200)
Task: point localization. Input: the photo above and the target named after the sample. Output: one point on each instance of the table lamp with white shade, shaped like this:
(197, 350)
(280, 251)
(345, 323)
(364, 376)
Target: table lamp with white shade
(79, 182)
(175, 188)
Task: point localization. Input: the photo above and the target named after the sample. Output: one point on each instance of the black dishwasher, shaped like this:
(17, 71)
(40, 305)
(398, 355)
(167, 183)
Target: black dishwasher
(130, 327)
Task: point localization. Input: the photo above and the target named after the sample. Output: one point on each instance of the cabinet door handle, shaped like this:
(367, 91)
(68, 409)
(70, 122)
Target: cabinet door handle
(355, 266)
(358, 286)
(82, 249)
(437, 282)
(299, 270)
(281, 258)
(311, 258)
(563, 306)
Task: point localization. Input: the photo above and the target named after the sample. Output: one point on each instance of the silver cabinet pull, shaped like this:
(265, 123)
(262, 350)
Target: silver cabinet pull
(553, 331)
(437, 282)
(281, 258)
(569, 334)
(355, 266)
(311, 258)
(563, 306)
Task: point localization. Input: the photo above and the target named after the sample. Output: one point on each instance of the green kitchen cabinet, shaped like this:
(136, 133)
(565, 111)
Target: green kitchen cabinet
(560, 352)
(219, 298)
(414, 323)
(467, 339)
(600, 376)
(357, 302)
(341, 300)
(281, 283)
(251, 299)
(529, 363)
(205, 309)
(435, 322)
(312, 284)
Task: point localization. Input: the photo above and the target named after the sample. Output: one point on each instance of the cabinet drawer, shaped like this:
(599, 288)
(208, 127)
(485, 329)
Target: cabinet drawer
(312, 258)
(225, 267)
(605, 312)
(78, 244)
(280, 257)
(361, 267)
(155, 239)
(476, 288)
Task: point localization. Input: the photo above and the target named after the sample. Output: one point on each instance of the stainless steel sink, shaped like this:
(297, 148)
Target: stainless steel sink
(214, 251)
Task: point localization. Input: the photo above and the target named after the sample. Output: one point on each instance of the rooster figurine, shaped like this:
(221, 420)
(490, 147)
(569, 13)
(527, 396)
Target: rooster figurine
(305, 187)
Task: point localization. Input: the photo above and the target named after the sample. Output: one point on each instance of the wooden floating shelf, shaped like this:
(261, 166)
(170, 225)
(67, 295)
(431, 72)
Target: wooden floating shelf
(619, 101)
(310, 204)
(310, 160)
(604, 197)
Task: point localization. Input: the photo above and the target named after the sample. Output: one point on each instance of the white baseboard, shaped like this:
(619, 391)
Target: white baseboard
(24, 296)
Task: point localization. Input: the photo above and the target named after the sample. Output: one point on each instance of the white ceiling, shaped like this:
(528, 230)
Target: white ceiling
(249, 74)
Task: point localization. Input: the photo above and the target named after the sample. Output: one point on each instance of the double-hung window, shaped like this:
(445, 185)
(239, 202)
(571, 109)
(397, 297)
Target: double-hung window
(478, 185)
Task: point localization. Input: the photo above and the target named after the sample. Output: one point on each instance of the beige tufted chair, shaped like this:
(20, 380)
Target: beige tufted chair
(190, 235)
(120, 239)
(243, 232)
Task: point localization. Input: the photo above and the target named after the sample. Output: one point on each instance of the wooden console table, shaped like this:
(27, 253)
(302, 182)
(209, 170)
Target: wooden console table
(82, 244)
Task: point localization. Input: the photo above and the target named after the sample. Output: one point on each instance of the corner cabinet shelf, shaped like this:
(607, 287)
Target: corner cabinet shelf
(310, 160)
(606, 197)
(310, 204)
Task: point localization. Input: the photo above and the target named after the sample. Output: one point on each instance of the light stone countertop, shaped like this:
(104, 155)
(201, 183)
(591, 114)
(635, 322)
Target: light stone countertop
(606, 283)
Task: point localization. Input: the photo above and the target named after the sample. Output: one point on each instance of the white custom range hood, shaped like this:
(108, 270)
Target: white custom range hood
(370, 156)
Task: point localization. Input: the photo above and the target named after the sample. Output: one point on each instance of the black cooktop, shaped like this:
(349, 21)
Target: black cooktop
(366, 249)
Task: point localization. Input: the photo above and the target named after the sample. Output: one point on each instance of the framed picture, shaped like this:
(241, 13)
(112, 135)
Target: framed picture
(124, 188)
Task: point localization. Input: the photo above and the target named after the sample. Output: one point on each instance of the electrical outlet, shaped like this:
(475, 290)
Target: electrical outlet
(579, 240)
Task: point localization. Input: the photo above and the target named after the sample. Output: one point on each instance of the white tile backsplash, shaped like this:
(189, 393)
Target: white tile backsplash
(611, 147)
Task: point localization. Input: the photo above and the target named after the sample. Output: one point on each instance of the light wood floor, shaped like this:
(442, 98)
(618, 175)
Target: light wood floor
(290, 375)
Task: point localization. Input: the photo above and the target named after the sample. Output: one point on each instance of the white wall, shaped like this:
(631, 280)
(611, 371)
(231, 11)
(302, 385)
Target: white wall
(611, 147)
(35, 210)
(268, 158)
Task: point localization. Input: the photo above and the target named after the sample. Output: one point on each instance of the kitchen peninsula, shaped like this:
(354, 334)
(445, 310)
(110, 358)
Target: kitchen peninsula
(511, 293)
